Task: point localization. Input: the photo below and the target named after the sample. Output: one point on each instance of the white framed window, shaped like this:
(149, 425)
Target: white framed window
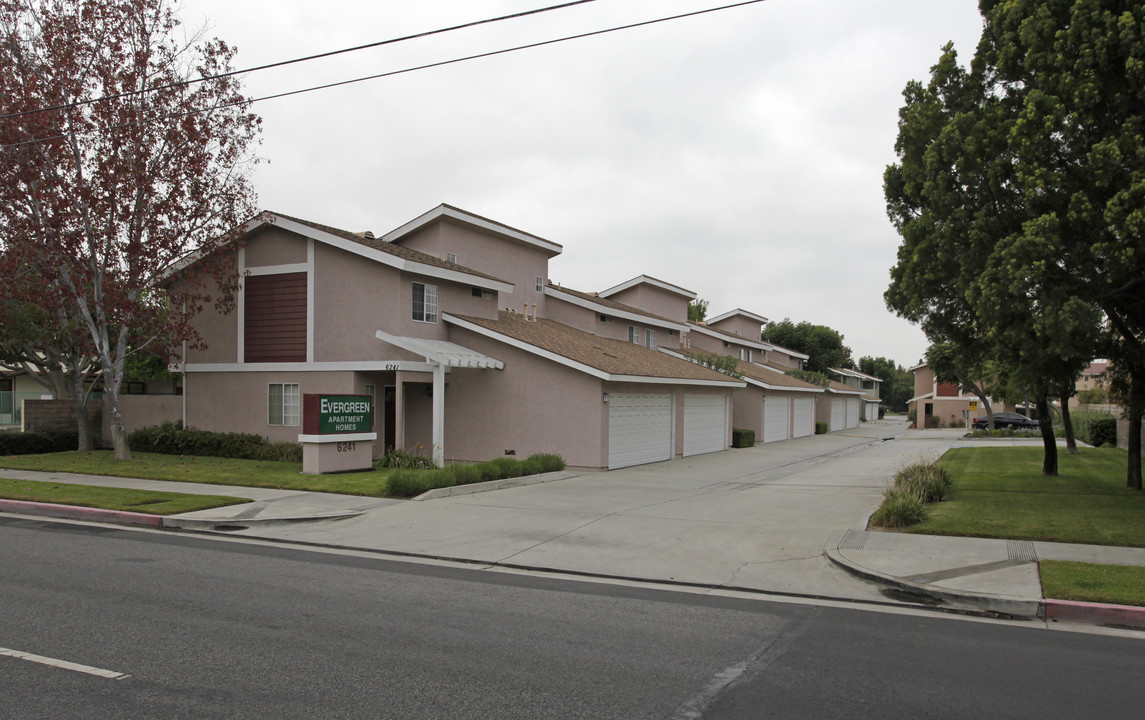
(424, 302)
(605, 319)
(650, 338)
(633, 334)
(540, 284)
(282, 404)
(451, 258)
(482, 293)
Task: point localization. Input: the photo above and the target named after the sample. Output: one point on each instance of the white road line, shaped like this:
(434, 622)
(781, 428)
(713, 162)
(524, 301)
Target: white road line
(63, 664)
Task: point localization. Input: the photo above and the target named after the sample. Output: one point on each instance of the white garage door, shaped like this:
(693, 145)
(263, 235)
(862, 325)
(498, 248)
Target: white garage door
(803, 417)
(639, 429)
(838, 413)
(776, 418)
(852, 412)
(705, 424)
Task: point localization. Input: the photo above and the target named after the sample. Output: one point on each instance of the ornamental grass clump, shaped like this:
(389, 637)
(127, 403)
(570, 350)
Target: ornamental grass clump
(913, 488)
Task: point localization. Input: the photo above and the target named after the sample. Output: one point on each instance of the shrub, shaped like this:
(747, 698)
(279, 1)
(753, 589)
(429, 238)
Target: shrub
(548, 462)
(508, 467)
(401, 459)
(912, 415)
(36, 443)
(465, 474)
(1095, 428)
(171, 438)
(742, 438)
(821, 428)
(900, 508)
(928, 481)
(408, 483)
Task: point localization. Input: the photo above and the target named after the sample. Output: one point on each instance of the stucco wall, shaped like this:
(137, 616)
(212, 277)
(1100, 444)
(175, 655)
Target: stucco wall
(140, 411)
(746, 328)
(654, 300)
(747, 410)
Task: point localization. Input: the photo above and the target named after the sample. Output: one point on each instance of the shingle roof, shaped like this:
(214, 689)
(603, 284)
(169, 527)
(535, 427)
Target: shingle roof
(614, 357)
(773, 377)
(390, 248)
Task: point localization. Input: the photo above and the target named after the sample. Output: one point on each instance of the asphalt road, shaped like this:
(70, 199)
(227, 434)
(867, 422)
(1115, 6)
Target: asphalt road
(219, 629)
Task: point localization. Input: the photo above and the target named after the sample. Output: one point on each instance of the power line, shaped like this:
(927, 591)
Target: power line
(380, 43)
(492, 53)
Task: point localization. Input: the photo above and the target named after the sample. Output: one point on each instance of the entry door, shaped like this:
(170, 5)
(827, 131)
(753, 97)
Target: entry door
(390, 414)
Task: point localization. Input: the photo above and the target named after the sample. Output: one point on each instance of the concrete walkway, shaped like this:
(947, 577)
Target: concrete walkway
(782, 518)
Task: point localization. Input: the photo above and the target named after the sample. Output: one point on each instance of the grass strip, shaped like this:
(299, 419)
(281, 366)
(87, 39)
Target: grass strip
(209, 470)
(109, 498)
(1001, 493)
(1087, 582)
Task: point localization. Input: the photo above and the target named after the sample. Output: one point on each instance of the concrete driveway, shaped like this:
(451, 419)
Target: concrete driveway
(755, 518)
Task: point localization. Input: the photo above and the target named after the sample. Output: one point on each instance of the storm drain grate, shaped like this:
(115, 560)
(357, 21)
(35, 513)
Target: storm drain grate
(854, 540)
(1021, 550)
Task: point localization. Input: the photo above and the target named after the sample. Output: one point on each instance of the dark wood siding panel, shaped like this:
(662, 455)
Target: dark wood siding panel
(274, 318)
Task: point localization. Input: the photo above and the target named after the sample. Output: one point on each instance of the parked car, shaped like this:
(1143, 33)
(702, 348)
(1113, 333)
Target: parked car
(1005, 420)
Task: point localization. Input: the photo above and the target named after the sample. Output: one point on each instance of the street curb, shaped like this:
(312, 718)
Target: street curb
(503, 484)
(1124, 616)
(994, 605)
(77, 512)
(182, 523)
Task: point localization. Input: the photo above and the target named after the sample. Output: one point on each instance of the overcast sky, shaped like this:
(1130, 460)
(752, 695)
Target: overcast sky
(738, 154)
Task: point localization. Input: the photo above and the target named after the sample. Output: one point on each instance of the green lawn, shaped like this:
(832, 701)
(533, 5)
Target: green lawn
(1000, 492)
(142, 501)
(214, 471)
(1086, 582)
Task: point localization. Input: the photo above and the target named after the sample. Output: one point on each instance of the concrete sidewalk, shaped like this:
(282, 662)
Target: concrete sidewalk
(785, 518)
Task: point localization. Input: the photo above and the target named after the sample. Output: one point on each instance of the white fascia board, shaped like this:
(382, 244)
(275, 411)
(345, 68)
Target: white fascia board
(854, 374)
(393, 261)
(363, 366)
(738, 311)
(494, 227)
(921, 397)
(845, 392)
(729, 383)
(737, 339)
(278, 269)
(780, 388)
(521, 345)
(916, 368)
(613, 312)
(789, 351)
(644, 279)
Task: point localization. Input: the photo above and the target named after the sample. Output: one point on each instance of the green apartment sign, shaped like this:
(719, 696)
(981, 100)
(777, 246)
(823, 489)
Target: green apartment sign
(337, 414)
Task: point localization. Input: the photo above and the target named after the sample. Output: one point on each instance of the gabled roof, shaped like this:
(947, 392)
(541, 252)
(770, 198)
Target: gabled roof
(646, 280)
(1096, 368)
(368, 246)
(740, 312)
(467, 218)
(725, 335)
(612, 360)
(611, 307)
(769, 379)
(790, 352)
(841, 389)
(855, 374)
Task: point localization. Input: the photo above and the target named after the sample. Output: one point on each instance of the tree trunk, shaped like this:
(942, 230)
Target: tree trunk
(1049, 442)
(1133, 414)
(118, 429)
(83, 421)
(1067, 425)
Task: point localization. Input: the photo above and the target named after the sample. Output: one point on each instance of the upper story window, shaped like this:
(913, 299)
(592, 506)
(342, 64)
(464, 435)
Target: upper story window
(540, 284)
(451, 258)
(633, 334)
(605, 319)
(424, 302)
(745, 354)
(483, 293)
(650, 338)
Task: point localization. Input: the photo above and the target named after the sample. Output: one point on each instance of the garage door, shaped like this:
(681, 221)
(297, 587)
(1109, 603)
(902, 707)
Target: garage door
(852, 412)
(705, 424)
(639, 429)
(838, 413)
(776, 418)
(803, 417)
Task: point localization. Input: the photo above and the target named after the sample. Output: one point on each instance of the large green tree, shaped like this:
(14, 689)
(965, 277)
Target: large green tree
(822, 344)
(1019, 194)
(898, 383)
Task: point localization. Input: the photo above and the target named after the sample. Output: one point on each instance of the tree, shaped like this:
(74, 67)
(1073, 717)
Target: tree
(126, 150)
(897, 385)
(697, 310)
(823, 345)
(1018, 194)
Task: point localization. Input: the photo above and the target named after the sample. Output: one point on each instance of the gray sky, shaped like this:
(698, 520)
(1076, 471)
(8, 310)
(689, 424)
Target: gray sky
(738, 154)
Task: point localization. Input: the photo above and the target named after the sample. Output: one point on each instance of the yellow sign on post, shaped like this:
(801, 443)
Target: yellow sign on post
(973, 404)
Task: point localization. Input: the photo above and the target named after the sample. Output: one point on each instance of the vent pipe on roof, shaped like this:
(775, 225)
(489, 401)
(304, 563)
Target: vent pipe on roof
(534, 312)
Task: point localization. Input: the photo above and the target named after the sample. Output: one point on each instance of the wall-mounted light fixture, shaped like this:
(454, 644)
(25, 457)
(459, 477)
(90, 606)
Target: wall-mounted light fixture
(606, 397)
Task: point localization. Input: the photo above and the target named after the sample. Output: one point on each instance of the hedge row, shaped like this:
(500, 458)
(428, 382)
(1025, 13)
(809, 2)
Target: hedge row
(1095, 428)
(409, 482)
(743, 438)
(35, 443)
(171, 438)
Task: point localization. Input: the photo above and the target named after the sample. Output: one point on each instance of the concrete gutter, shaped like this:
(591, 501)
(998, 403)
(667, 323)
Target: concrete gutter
(76, 512)
(502, 484)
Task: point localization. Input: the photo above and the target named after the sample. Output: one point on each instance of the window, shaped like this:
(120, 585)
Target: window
(540, 284)
(483, 293)
(605, 319)
(282, 408)
(424, 302)
(673, 333)
(650, 339)
(745, 354)
(633, 334)
(451, 258)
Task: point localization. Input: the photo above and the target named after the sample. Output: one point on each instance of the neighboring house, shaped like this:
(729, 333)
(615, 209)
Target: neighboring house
(871, 387)
(450, 324)
(776, 406)
(942, 404)
(1092, 378)
(15, 388)
(839, 407)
